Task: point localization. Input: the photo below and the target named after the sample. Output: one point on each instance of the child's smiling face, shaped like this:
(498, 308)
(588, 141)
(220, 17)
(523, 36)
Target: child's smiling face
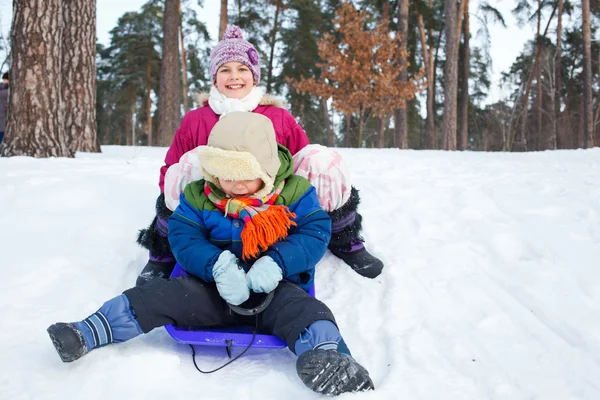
(241, 188)
(234, 80)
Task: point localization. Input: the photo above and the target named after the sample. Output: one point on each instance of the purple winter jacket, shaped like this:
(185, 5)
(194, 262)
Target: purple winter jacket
(197, 124)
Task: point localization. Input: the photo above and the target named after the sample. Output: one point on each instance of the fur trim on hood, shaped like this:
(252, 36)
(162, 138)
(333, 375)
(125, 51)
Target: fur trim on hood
(267, 100)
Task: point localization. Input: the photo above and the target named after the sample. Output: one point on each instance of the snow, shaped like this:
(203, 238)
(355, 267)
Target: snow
(491, 288)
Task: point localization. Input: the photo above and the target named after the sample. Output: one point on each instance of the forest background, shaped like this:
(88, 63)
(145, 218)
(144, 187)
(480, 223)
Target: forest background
(372, 73)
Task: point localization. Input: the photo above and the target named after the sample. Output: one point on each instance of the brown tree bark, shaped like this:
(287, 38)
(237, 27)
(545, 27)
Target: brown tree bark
(450, 76)
(79, 74)
(223, 19)
(385, 13)
(588, 131)
(401, 124)
(36, 115)
(464, 98)
(555, 143)
(169, 96)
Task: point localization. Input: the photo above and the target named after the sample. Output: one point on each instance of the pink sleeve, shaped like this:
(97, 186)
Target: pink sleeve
(296, 137)
(182, 143)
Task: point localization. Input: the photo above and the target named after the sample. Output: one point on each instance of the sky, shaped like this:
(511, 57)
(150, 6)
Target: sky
(490, 290)
(506, 43)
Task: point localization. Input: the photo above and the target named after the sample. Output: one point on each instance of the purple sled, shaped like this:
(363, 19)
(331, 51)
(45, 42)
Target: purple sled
(239, 336)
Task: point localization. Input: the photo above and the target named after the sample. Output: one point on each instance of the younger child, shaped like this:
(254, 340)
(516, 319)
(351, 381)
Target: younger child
(250, 226)
(235, 73)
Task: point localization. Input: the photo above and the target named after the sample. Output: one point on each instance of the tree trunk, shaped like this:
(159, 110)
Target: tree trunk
(79, 74)
(184, 77)
(223, 20)
(524, 120)
(360, 128)
(273, 41)
(538, 80)
(450, 76)
(486, 139)
(327, 123)
(401, 124)
(149, 102)
(133, 119)
(382, 128)
(464, 98)
(555, 143)
(169, 96)
(348, 126)
(430, 74)
(524, 99)
(588, 131)
(36, 116)
(385, 13)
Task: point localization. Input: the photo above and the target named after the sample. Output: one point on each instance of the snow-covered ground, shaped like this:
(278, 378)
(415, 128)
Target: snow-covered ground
(491, 288)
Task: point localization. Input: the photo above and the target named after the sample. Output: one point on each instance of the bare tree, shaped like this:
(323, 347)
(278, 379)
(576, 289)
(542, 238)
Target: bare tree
(36, 118)
(169, 96)
(79, 74)
(588, 132)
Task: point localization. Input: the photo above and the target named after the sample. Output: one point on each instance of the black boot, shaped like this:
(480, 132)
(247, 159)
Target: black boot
(161, 261)
(68, 341)
(114, 322)
(346, 242)
(332, 373)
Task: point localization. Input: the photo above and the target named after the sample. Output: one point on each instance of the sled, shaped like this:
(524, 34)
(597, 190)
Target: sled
(239, 336)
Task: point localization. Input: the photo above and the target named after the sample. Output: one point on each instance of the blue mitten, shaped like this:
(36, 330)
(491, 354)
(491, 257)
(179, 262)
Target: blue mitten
(264, 276)
(230, 279)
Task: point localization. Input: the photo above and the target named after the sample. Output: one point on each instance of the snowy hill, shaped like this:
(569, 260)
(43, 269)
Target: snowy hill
(491, 288)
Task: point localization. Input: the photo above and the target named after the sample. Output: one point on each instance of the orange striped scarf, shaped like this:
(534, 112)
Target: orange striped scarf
(264, 222)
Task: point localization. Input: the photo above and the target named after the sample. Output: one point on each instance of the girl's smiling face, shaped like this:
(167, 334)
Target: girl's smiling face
(234, 80)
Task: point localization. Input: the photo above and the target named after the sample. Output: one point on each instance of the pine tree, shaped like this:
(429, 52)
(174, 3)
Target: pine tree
(128, 77)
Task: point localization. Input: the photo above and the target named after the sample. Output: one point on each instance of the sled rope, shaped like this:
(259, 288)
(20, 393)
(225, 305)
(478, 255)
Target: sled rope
(230, 361)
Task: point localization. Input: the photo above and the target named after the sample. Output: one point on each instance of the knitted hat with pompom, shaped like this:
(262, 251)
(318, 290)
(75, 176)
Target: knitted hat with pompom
(233, 47)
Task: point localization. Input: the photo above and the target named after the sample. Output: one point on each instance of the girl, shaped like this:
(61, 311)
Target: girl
(251, 226)
(235, 73)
